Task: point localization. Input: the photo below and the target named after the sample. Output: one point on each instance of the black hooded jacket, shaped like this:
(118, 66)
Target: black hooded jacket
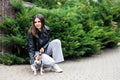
(35, 44)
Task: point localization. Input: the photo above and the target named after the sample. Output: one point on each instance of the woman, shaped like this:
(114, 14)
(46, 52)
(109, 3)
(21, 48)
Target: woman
(39, 40)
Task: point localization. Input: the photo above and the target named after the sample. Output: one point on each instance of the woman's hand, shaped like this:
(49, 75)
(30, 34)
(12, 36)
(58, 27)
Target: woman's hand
(42, 50)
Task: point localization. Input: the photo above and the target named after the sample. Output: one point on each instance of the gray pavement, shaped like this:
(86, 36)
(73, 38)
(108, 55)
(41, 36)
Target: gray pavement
(103, 66)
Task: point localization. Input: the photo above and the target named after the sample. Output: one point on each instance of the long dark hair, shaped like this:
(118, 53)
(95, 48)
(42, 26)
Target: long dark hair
(32, 29)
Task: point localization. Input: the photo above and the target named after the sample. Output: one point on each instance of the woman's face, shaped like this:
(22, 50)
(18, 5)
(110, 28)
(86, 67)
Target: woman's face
(37, 23)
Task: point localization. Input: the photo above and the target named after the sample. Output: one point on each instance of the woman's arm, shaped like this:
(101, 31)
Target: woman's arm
(48, 36)
(31, 48)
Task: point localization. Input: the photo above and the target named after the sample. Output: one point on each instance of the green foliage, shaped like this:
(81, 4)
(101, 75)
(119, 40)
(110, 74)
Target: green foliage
(116, 12)
(84, 27)
(48, 4)
(17, 4)
(15, 30)
(9, 59)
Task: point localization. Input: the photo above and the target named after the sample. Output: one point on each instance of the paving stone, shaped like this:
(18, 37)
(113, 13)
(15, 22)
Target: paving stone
(103, 66)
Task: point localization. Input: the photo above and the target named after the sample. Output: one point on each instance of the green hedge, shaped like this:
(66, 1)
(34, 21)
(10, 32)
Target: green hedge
(83, 27)
(10, 59)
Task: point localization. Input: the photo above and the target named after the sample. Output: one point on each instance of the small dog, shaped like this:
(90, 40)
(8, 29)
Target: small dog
(38, 65)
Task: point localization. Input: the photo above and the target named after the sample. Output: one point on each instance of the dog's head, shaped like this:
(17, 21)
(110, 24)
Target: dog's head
(38, 57)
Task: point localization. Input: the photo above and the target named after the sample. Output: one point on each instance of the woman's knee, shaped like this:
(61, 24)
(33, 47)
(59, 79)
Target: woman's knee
(47, 59)
(57, 41)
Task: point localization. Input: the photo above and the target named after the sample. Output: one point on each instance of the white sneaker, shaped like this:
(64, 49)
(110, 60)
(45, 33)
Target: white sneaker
(47, 69)
(33, 68)
(56, 68)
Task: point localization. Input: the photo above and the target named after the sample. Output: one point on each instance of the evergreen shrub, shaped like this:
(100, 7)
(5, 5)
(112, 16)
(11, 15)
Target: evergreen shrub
(83, 27)
(10, 59)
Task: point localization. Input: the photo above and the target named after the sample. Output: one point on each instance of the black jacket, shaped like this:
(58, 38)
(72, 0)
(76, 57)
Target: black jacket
(35, 44)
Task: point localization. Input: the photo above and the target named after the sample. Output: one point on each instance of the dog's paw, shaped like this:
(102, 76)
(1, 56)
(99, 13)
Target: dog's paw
(41, 73)
(35, 74)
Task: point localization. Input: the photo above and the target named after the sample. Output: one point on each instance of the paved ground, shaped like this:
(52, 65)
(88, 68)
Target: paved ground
(104, 66)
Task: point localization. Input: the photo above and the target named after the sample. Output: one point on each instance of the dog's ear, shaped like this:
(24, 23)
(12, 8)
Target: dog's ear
(38, 57)
(35, 56)
(37, 53)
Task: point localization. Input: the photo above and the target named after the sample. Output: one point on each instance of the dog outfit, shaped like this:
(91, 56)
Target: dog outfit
(37, 64)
